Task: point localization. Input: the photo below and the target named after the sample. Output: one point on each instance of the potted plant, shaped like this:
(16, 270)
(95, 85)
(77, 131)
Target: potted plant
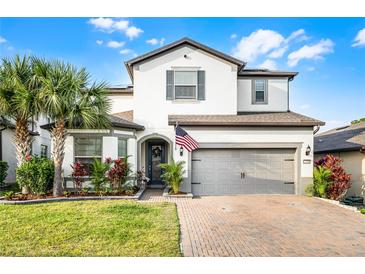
(173, 174)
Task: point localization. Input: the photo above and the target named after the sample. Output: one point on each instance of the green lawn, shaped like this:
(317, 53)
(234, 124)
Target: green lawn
(89, 228)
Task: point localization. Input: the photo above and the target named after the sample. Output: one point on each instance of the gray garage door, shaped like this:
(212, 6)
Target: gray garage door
(243, 171)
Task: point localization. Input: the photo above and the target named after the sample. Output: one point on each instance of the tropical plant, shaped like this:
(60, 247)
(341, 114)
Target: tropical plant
(321, 180)
(340, 180)
(173, 174)
(98, 174)
(309, 190)
(18, 90)
(78, 174)
(69, 100)
(141, 178)
(119, 172)
(3, 172)
(36, 173)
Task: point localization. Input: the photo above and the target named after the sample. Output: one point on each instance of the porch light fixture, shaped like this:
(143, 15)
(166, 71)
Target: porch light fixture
(181, 151)
(308, 150)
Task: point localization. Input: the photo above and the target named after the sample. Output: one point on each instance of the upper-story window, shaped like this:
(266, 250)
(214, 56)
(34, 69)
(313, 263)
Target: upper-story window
(185, 84)
(259, 91)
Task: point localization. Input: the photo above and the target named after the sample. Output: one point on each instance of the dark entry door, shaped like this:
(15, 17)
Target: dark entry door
(156, 156)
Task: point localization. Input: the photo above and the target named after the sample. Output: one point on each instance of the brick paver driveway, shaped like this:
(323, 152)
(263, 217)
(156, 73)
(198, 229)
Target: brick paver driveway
(266, 225)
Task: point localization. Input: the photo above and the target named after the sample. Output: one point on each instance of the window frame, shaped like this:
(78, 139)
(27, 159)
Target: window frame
(254, 92)
(78, 157)
(40, 152)
(195, 85)
(126, 147)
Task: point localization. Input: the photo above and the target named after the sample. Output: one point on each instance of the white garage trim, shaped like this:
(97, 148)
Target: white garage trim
(295, 145)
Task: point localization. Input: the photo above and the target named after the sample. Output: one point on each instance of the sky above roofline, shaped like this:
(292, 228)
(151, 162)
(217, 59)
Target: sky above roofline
(328, 53)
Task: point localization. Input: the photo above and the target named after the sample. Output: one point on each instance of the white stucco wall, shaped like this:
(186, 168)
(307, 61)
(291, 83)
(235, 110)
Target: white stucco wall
(9, 153)
(121, 103)
(109, 147)
(150, 105)
(277, 96)
(271, 136)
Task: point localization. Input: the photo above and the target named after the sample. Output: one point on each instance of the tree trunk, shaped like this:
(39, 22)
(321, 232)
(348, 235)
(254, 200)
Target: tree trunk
(23, 144)
(58, 134)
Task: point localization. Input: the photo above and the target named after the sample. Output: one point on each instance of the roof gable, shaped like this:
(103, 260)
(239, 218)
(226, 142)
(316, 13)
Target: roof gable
(184, 41)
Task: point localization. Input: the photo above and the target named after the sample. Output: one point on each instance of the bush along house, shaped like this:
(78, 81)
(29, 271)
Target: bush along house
(248, 140)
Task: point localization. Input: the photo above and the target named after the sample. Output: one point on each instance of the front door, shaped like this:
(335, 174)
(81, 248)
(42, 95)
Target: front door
(156, 156)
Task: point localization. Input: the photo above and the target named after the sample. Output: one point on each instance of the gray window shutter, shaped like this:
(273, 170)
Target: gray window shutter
(169, 85)
(253, 92)
(266, 91)
(201, 85)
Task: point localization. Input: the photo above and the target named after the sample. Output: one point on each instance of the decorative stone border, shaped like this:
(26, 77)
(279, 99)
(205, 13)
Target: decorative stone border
(337, 203)
(136, 196)
(167, 195)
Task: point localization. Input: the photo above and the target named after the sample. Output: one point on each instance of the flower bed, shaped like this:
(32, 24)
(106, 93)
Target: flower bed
(19, 198)
(168, 193)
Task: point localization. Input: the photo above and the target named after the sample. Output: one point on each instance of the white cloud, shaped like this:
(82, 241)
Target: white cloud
(268, 64)
(300, 33)
(233, 36)
(115, 44)
(155, 41)
(313, 52)
(110, 25)
(359, 40)
(99, 42)
(311, 69)
(305, 106)
(102, 23)
(278, 52)
(133, 32)
(2, 40)
(261, 42)
(126, 51)
(257, 43)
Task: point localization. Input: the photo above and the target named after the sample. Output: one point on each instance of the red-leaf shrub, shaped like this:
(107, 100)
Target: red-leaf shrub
(79, 171)
(118, 172)
(340, 180)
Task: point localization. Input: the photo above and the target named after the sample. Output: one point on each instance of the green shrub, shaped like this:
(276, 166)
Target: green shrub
(321, 180)
(98, 174)
(3, 172)
(37, 174)
(309, 190)
(173, 174)
(362, 210)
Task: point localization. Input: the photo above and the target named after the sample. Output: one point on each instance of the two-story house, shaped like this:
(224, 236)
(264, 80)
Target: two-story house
(249, 140)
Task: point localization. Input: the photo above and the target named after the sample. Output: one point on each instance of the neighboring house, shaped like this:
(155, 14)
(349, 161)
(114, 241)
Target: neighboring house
(41, 142)
(348, 143)
(250, 142)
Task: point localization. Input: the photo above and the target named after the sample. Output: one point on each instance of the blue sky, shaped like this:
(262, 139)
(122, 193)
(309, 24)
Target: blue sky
(328, 53)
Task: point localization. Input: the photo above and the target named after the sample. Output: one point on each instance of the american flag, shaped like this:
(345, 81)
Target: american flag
(183, 139)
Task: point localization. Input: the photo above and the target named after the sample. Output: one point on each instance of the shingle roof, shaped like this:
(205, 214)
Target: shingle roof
(266, 72)
(246, 119)
(114, 120)
(123, 123)
(129, 64)
(348, 138)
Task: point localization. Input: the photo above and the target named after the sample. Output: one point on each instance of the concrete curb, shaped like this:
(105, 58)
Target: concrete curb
(135, 197)
(167, 195)
(337, 203)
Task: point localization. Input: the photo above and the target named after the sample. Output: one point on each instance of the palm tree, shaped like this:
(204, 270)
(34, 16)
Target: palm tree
(67, 99)
(173, 174)
(18, 89)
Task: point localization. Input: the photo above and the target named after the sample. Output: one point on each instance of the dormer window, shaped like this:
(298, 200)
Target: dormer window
(185, 85)
(259, 91)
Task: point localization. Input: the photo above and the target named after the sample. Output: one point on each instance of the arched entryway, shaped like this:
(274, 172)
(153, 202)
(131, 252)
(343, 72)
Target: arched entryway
(153, 150)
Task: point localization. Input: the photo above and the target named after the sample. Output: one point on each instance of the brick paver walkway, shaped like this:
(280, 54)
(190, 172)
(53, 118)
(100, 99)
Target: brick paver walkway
(266, 225)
